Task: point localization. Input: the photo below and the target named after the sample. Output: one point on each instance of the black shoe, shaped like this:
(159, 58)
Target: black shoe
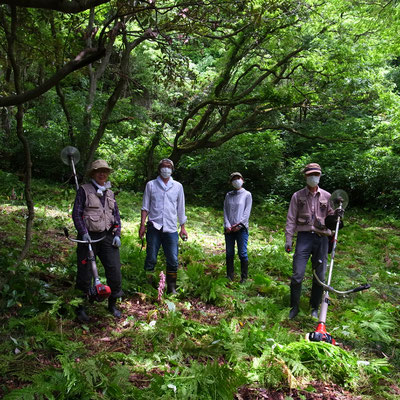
(314, 313)
(113, 309)
(81, 314)
(293, 312)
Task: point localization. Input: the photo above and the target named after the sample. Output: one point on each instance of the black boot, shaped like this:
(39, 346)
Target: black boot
(316, 296)
(151, 280)
(112, 301)
(244, 268)
(171, 282)
(81, 314)
(230, 268)
(295, 292)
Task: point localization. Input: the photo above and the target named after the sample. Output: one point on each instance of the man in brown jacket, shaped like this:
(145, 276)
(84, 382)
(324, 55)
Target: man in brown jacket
(306, 215)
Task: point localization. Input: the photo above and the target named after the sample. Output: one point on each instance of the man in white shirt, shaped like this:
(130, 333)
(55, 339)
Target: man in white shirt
(163, 205)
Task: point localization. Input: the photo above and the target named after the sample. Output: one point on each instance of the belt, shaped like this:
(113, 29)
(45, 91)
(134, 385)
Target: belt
(318, 234)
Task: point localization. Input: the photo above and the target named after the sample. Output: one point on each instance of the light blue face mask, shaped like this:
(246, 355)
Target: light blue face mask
(312, 180)
(237, 183)
(165, 172)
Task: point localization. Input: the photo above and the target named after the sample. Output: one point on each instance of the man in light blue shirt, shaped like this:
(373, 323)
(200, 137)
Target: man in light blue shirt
(163, 205)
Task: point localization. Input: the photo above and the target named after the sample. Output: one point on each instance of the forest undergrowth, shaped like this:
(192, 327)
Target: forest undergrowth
(215, 339)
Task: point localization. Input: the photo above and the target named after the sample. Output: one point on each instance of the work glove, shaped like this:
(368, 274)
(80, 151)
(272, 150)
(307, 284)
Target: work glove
(86, 237)
(116, 241)
(288, 247)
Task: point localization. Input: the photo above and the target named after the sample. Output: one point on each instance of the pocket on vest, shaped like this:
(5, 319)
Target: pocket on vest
(94, 223)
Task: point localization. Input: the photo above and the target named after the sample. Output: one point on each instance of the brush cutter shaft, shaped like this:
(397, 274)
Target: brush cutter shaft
(74, 172)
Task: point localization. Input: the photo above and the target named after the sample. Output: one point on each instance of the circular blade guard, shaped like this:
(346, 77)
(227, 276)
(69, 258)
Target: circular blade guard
(338, 196)
(69, 154)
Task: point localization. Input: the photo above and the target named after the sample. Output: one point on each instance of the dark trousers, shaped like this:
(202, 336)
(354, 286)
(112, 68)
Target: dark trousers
(310, 244)
(109, 257)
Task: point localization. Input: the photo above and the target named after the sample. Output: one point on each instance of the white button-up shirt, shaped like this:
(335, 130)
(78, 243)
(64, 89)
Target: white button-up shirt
(165, 204)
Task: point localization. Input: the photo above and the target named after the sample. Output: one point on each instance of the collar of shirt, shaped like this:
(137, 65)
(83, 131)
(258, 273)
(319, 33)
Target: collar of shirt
(163, 185)
(235, 192)
(310, 193)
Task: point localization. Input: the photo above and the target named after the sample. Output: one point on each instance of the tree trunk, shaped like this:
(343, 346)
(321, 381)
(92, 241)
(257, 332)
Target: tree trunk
(11, 38)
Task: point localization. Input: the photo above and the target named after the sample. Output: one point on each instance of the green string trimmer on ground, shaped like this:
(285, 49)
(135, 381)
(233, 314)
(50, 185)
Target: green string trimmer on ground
(339, 201)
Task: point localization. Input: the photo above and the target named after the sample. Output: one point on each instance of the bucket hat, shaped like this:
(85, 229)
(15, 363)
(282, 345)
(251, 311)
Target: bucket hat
(99, 164)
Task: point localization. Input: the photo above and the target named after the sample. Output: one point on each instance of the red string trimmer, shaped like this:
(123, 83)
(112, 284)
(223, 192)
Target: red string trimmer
(97, 292)
(338, 200)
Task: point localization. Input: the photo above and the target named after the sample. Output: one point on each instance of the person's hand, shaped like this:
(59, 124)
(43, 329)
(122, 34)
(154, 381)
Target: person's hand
(142, 231)
(116, 242)
(339, 212)
(228, 230)
(234, 228)
(183, 234)
(288, 247)
(86, 237)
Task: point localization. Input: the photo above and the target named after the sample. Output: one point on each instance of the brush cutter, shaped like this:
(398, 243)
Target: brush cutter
(338, 201)
(98, 291)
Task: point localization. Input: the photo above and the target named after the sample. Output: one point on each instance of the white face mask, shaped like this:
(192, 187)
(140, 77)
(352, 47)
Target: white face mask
(165, 172)
(312, 180)
(237, 183)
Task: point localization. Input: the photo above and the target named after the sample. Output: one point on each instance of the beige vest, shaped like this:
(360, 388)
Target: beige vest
(305, 220)
(98, 218)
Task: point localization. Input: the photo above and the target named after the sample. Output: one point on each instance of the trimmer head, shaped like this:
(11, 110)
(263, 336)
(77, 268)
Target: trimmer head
(320, 335)
(99, 292)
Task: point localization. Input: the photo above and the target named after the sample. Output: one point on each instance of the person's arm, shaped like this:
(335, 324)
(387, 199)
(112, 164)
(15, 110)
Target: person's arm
(142, 229)
(227, 224)
(77, 212)
(145, 209)
(291, 223)
(181, 213)
(247, 209)
(117, 220)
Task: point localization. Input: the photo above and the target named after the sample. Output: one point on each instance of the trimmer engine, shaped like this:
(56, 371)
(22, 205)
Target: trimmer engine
(99, 292)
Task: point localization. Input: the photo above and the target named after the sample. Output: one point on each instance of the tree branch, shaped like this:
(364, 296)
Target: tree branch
(66, 6)
(84, 58)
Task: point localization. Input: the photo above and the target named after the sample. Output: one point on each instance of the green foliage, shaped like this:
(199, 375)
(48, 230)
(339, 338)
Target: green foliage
(200, 381)
(213, 337)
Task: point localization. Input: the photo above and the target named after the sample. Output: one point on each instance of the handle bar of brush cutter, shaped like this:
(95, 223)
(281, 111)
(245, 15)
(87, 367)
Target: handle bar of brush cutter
(91, 256)
(331, 289)
(81, 241)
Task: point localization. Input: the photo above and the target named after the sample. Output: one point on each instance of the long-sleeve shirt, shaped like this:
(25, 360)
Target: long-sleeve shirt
(307, 212)
(165, 204)
(79, 206)
(237, 208)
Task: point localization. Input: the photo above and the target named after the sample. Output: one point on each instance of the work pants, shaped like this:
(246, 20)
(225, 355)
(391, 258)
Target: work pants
(109, 257)
(314, 245)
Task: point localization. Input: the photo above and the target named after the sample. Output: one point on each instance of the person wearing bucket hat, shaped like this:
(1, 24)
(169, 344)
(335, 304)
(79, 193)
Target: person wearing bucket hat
(237, 208)
(306, 216)
(96, 214)
(163, 206)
